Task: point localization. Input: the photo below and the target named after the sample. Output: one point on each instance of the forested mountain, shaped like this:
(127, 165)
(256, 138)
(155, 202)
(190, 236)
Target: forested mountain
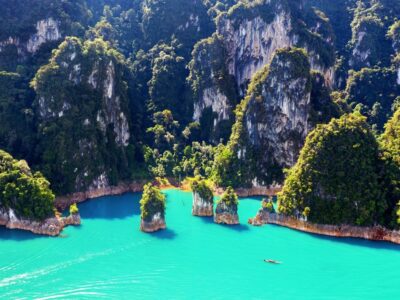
(97, 92)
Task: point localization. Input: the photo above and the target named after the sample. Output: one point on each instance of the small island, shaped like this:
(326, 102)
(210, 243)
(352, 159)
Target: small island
(27, 202)
(152, 207)
(203, 199)
(227, 208)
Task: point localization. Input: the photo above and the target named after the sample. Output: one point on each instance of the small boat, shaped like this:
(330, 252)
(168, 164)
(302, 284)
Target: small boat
(272, 261)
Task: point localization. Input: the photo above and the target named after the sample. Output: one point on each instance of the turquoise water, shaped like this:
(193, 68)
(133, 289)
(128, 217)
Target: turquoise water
(108, 257)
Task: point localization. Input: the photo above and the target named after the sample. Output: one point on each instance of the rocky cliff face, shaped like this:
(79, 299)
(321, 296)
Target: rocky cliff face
(82, 92)
(46, 30)
(247, 37)
(226, 214)
(398, 74)
(153, 223)
(368, 43)
(202, 207)
(273, 120)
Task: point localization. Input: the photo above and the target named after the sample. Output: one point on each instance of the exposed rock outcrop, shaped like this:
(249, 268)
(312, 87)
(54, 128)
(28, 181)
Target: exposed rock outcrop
(266, 209)
(51, 226)
(155, 223)
(202, 207)
(72, 219)
(203, 199)
(46, 30)
(246, 39)
(91, 92)
(226, 214)
(398, 75)
(377, 233)
(226, 211)
(273, 120)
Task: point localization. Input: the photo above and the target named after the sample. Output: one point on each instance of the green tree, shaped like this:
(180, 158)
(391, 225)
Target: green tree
(337, 176)
(201, 187)
(27, 194)
(152, 202)
(229, 197)
(73, 209)
(390, 144)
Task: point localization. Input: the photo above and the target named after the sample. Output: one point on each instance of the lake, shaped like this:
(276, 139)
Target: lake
(108, 257)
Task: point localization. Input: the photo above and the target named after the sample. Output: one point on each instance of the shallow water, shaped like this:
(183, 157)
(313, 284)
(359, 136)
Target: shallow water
(108, 257)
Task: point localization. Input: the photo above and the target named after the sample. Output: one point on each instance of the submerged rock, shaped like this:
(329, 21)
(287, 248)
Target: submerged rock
(203, 199)
(227, 207)
(152, 206)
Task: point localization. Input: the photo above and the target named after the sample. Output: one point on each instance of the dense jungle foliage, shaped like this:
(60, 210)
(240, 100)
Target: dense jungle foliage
(27, 194)
(98, 92)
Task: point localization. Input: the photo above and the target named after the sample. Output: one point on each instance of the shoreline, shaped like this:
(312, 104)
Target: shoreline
(49, 227)
(62, 202)
(377, 233)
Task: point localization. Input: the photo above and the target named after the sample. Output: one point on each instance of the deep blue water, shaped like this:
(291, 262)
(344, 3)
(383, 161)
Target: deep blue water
(108, 257)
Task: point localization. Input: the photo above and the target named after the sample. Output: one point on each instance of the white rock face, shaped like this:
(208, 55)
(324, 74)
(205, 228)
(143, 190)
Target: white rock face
(213, 98)
(359, 56)
(46, 30)
(12, 41)
(100, 182)
(398, 76)
(287, 114)
(276, 119)
(252, 45)
(200, 206)
(113, 113)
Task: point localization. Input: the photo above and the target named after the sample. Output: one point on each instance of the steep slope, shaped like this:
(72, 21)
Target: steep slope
(82, 107)
(272, 122)
(337, 179)
(46, 21)
(247, 36)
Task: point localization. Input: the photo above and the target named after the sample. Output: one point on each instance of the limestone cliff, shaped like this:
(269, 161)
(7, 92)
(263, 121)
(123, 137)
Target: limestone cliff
(46, 30)
(247, 37)
(368, 43)
(273, 120)
(203, 199)
(397, 65)
(82, 104)
(155, 223)
(225, 214)
(201, 207)
(226, 211)
(30, 30)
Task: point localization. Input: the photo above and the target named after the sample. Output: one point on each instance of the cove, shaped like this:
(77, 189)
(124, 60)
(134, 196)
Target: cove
(108, 257)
